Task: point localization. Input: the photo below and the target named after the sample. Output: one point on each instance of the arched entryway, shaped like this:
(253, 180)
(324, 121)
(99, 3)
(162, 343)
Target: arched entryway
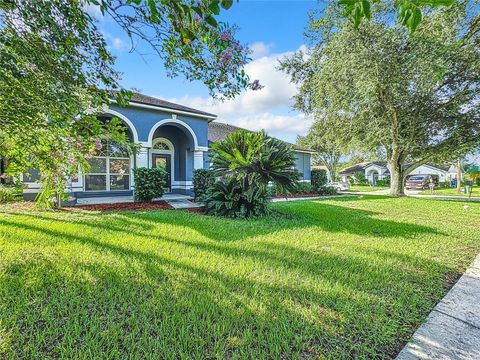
(172, 146)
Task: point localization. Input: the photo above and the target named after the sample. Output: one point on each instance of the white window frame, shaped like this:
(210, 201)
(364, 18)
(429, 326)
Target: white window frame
(108, 173)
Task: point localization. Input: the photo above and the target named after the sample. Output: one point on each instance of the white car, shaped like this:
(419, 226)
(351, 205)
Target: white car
(340, 186)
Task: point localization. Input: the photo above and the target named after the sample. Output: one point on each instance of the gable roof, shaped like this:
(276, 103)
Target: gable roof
(218, 131)
(138, 98)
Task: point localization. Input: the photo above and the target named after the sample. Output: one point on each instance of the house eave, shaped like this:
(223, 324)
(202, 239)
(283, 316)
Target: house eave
(173, 111)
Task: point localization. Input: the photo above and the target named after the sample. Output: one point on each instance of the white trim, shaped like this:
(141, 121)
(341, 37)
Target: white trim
(183, 182)
(202, 148)
(170, 152)
(173, 111)
(171, 121)
(127, 121)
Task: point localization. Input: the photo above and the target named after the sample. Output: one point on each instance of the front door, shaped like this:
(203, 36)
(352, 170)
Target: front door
(164, 160)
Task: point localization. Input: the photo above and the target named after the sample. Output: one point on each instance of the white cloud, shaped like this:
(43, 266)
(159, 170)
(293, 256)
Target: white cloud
(93, 10)
(268, 108)
(118, 44)
(259, 49)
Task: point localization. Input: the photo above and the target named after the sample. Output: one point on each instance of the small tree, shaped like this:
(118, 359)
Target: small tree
(149, 183)
(319, 179)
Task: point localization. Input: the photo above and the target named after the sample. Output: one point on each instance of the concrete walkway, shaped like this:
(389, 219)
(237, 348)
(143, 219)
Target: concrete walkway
(452, 330)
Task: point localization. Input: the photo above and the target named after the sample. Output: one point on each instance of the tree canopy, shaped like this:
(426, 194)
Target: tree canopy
(56, 71)
(416, 96)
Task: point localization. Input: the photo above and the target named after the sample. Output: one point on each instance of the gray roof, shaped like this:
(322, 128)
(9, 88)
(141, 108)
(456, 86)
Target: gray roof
(218, 131)
(153, 101)
(362, 166)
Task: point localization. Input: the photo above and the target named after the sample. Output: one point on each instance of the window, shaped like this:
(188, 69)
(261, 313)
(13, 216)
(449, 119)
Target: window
(110, 170)
(161, 146)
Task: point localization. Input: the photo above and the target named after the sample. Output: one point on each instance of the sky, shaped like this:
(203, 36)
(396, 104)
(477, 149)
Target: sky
(272, 30)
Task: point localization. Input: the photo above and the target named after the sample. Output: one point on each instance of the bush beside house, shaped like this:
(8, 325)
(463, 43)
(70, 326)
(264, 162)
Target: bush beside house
(319, 179)
(203, 179)
(149, 183)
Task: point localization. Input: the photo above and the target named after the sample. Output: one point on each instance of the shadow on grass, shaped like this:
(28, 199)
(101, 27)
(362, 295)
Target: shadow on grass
(147, 302)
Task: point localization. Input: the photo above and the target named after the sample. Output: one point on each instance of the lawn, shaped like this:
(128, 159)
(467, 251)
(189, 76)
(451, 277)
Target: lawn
(366, 188)
(338, 278)
(452, 192)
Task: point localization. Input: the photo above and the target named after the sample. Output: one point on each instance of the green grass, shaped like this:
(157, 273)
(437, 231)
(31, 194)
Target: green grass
(366, 188)
(452, 192)
(338, 278)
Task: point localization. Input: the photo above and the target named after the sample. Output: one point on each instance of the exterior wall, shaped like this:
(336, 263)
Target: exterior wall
(428, 170)
(145, 120)
(371, 170)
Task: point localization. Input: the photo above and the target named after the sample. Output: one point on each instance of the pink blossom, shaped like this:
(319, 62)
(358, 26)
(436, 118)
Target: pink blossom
(226, 36)
(98, 145)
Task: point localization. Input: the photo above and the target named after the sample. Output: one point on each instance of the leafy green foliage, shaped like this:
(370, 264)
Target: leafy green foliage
(383, 182)
(149, 183)
(319, 179)
(327, 190)
(417, 98)
(256, 157)
(8, 193)
(202, 180)
(409, 12)
(55, 69)
(246, 162)
(359, 178)
(237, 199)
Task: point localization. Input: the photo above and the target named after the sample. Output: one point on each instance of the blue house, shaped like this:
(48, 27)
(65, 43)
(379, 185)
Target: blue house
(171, 135)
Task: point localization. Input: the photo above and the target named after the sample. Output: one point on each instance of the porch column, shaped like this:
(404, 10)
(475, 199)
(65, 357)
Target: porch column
(198, 159)
(143, 158)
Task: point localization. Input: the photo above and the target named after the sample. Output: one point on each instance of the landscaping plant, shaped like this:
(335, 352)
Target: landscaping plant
(202, 180)
(319, 179)
(149, 183)
(245, 163)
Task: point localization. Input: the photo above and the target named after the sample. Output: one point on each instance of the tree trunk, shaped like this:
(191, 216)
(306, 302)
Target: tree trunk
(396, 178)
(459, 175)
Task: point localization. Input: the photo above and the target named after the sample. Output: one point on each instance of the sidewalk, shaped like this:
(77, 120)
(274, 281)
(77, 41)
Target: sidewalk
(452, 330)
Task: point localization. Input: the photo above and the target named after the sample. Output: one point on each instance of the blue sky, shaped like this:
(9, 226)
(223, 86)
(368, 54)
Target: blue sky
(272, 29)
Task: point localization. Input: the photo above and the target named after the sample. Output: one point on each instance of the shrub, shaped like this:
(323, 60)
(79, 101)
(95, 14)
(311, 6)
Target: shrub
(303, 188)
(149, 183)
(247, 162)
(359, 178)
(202, 180)
(7, 193)
(319, 178)
(327, 190)
(383, 182)
(236, 199)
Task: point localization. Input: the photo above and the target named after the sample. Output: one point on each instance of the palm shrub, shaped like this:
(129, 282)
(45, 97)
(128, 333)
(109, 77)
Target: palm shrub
(149, 183)
(246, 162)
(238, 199)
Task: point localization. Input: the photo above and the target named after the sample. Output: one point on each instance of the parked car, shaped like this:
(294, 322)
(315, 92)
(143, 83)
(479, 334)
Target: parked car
(420, 182)
(340, 186)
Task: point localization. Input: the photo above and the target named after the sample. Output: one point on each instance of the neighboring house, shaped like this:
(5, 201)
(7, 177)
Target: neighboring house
(377, 170)
(171, 135)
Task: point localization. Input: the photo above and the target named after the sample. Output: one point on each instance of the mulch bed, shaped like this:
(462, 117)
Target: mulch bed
(157, 205)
